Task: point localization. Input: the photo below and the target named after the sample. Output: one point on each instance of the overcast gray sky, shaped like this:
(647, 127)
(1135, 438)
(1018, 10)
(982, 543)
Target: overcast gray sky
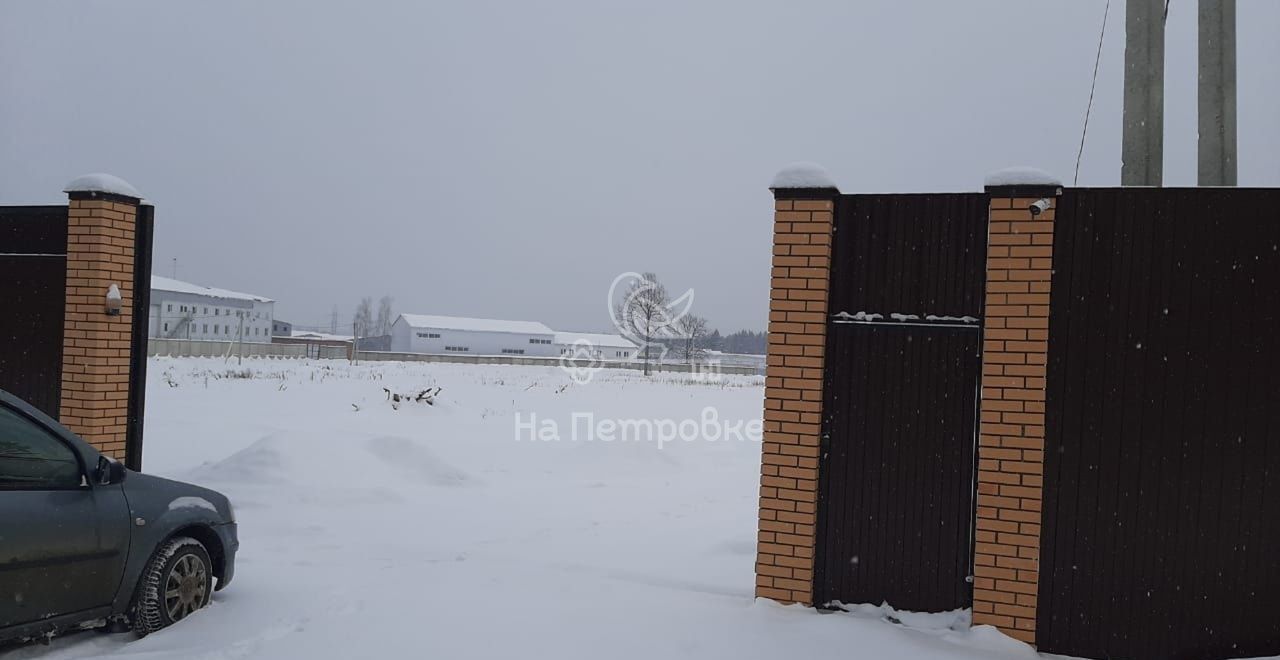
(509, 159)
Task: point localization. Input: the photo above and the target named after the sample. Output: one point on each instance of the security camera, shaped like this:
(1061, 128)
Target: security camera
(1040, 206)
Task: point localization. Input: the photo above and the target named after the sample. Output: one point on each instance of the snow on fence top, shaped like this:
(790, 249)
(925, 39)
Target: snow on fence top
(476, 325)
(594, 339)
(1021, 176)
(802, 175)
(102, 183)
(178, 286)
(900, 317)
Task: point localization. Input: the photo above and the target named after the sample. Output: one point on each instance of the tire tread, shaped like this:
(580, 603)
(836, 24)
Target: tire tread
(148, 614)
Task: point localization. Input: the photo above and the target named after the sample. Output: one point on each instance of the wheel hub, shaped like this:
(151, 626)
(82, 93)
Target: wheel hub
(186, 587)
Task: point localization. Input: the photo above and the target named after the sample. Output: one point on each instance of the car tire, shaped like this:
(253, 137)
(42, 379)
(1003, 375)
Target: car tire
(176, 582)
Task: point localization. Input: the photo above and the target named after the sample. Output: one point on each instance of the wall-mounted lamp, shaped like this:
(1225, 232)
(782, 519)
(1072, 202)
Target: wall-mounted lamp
(114, 301)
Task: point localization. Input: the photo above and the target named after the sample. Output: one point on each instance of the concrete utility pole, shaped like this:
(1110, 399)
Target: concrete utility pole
(1217, 94)
(1143, 151)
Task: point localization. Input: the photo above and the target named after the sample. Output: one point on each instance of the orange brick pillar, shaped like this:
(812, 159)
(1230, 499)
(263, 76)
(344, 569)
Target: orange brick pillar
(95, 343)
(1011, 439)
(804, 207)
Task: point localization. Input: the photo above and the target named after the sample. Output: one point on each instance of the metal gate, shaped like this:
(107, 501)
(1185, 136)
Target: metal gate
(33, 276)
(903, 363)
(1161, 528)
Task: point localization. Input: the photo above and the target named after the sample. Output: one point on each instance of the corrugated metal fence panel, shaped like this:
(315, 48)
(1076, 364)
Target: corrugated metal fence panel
(143, 233)
(33, 263)
(897, 496)
(1161, 535)
(910, 254)
(896, 480)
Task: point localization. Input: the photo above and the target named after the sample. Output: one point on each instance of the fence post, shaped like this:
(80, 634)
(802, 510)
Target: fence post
(1011, 437)
(804, 208)
(96, 340)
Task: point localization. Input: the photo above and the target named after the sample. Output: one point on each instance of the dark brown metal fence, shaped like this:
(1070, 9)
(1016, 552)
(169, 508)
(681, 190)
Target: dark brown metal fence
(1161, 534)
(895, 505)
(33, 264)
(143, 232)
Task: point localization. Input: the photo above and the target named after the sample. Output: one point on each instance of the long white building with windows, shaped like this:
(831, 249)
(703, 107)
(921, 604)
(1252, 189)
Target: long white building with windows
(591, 345)
(421, 333)
(182, 310)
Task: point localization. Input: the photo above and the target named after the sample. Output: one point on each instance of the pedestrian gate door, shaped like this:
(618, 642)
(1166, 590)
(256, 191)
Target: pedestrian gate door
(903, 357)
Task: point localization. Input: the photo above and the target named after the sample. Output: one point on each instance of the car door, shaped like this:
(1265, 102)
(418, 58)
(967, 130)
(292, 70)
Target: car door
(63, 540)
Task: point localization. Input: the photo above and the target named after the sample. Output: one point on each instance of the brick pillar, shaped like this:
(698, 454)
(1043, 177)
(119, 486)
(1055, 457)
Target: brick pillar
(96, 346)
(803, 217)
(1011, 441)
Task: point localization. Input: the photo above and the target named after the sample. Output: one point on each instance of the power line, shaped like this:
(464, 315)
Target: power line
(1094, 85)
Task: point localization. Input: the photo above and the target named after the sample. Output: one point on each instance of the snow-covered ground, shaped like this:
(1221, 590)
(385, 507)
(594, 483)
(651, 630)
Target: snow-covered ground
(451, 531)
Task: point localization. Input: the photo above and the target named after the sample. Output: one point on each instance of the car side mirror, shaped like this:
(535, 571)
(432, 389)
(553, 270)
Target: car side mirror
(109, 471)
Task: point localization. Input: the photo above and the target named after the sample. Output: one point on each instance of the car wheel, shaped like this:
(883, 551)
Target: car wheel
(177, 581)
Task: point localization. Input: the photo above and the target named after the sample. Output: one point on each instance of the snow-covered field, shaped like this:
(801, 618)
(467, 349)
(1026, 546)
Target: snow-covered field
(449, 531)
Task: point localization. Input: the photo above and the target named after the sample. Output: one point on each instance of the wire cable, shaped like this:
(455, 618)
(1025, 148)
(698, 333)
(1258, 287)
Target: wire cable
(1093, 86)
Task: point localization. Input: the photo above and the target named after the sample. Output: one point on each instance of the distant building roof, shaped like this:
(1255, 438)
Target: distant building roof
(307, 334)
(475, 325)
(178, 286)
(595, 339)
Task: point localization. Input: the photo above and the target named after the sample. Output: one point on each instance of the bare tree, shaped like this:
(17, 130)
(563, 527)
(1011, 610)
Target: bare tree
(691, 329)
(642, 314)
(363, 321)
(385, 317)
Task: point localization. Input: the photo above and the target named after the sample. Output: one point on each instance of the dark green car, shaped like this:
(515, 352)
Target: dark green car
(86, 543)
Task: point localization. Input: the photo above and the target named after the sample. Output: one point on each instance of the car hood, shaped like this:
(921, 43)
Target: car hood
(153, 498)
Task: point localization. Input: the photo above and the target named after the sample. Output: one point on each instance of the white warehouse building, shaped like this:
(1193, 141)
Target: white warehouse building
(455, 335)
(595, 346)
(182, 310)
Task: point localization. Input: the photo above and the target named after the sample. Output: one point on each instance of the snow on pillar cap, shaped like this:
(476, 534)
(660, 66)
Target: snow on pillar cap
(811, 178)
(1029, 179)
(100, 185)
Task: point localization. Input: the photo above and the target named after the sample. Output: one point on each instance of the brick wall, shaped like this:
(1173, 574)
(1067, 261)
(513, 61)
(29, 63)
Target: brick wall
(1011, 439)
(793, 397)
(95, 362)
